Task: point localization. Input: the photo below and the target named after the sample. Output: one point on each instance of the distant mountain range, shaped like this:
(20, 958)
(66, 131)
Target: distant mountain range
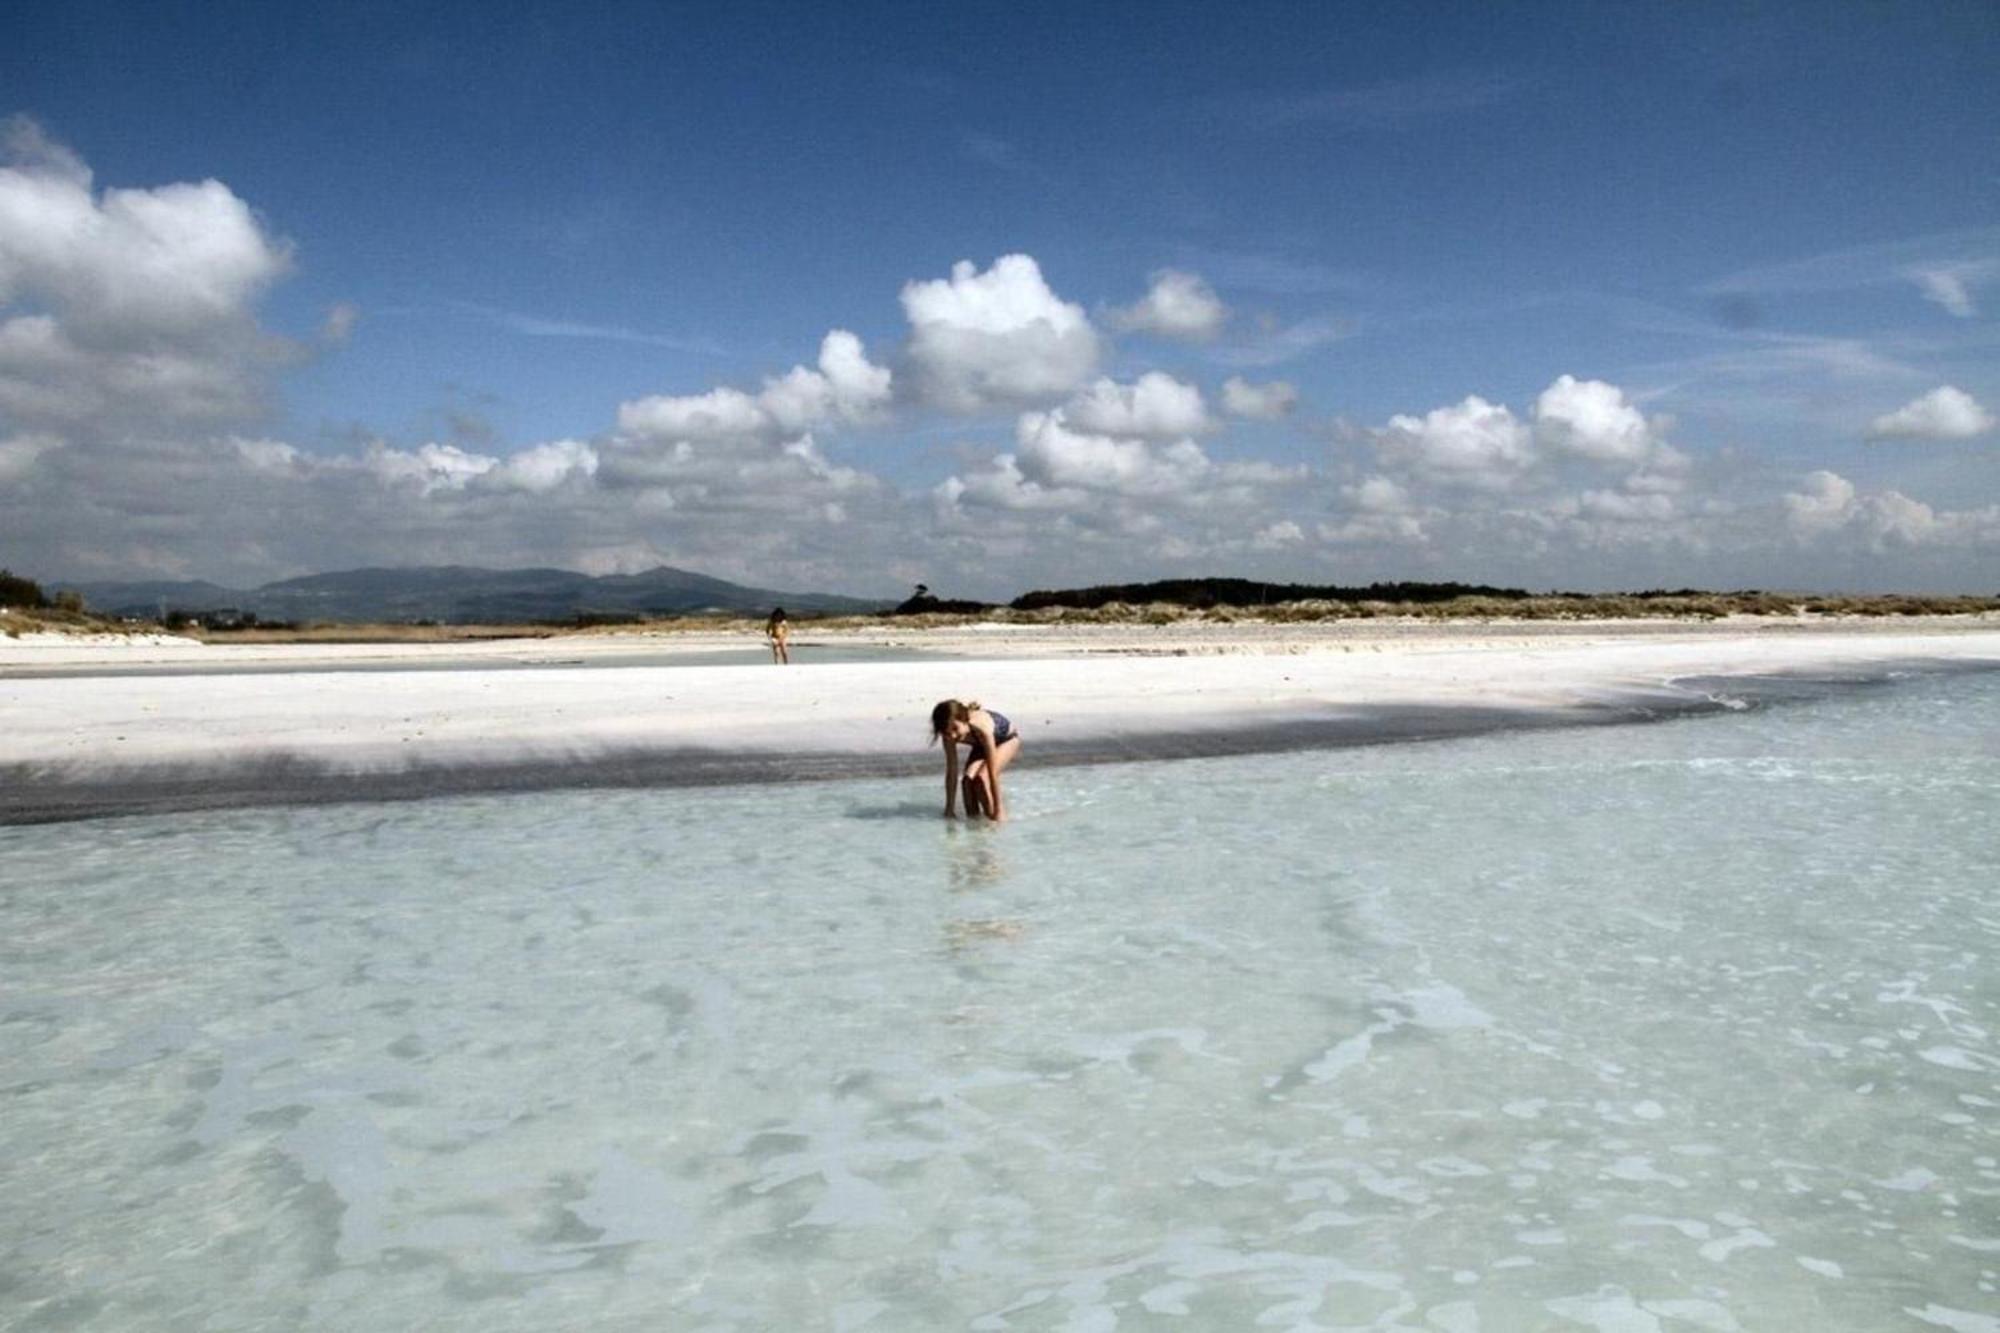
(455, 594)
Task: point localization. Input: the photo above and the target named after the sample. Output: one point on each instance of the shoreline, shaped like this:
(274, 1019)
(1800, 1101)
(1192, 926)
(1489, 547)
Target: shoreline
(90, 655)
(77, 745)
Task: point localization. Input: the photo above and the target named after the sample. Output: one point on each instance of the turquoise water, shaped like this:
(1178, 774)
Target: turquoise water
(1676, 1027)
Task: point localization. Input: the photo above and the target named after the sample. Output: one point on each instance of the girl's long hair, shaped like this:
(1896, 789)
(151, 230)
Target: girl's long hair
(947, 712)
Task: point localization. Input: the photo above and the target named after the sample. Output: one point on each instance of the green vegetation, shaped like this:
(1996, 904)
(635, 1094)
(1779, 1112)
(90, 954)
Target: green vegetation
(27, 608)
(1231, 600)
(1201, 594)
(1226, 602)
(18, 591)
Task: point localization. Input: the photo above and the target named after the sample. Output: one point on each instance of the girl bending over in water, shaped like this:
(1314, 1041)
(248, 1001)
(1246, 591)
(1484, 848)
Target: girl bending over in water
(992, 742)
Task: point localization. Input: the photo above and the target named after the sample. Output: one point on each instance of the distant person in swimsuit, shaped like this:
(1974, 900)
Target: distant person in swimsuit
(992, 744)
(777, 629)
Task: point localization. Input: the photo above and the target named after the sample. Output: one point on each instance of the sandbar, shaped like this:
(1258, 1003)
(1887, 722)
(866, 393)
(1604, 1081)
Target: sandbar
(83, 733)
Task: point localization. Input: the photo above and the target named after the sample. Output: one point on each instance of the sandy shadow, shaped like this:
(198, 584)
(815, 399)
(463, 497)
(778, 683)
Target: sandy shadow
(897, 810)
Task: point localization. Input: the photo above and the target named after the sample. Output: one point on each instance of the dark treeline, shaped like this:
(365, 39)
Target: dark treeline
(1200, 594)
(1242, 594)
(1311, 601)
(17, 591)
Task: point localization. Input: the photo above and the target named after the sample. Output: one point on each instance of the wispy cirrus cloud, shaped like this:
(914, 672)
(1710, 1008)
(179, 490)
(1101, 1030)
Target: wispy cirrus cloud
(1285, 342)
(1273, 273)
(1388, 105)
(990, 150)
(538, 326)
(1951, 285)
(1758, 354)
(1945, 268)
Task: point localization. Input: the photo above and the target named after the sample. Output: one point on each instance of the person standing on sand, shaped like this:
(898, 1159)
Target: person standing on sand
(993, 743)
(777, 629)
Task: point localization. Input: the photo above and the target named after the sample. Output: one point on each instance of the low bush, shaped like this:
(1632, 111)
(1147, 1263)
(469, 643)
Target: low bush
(18, 591)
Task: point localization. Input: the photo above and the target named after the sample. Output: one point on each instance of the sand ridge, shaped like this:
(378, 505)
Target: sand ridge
(1099, 687)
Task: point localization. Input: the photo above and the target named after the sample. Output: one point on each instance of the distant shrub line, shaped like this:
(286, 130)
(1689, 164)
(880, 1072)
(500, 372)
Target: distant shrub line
(1169, 600)
(17, 591)
(1201, 594)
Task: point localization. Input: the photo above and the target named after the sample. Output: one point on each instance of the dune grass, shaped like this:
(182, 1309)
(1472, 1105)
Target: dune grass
(1567, 607)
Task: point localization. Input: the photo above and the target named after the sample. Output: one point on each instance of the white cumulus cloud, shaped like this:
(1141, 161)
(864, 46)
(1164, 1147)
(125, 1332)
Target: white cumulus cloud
(1155, 406)
(427, 468)
(1277, 536)
(543, 467)
(1627, 507)
(997, 337)
(857, 386)
(1894, 517)
(1828, 505)
(1823, 503)
(1591, 419)
(719, 414)
(1117, 457)
(1377, 495)
(1177, 305)
(1945, 413)
(1054, 454)
(140, 302)
(1258, 402)
(1002, 485)
(844, 387)
(119, 266)
(1474, 443)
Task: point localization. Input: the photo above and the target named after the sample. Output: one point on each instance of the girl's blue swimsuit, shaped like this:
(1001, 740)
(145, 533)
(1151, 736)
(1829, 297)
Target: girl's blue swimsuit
(1003, 730)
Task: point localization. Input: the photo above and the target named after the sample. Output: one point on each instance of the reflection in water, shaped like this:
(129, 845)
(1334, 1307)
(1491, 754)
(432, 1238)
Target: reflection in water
(926, 810)
(974, 864)
(972, 858)
(962, 935)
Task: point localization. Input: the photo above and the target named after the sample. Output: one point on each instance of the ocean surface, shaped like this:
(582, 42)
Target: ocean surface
(1681, 1026)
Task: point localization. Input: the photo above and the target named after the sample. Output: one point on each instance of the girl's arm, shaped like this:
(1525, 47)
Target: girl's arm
(950, 780)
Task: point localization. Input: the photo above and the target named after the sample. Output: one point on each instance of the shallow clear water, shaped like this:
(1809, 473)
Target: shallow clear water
(1683, 1026)
(803, 652)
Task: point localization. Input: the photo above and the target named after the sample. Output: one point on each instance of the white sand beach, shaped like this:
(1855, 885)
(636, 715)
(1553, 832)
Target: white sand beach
(362, 713)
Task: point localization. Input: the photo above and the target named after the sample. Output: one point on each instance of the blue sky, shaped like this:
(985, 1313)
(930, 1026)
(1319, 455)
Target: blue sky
(1576, 296)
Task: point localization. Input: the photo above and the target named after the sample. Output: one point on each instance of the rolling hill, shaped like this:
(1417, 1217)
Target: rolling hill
(457, 594)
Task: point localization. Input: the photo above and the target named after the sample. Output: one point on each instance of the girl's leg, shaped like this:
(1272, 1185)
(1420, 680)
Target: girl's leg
(990, 773)
(978, 794)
